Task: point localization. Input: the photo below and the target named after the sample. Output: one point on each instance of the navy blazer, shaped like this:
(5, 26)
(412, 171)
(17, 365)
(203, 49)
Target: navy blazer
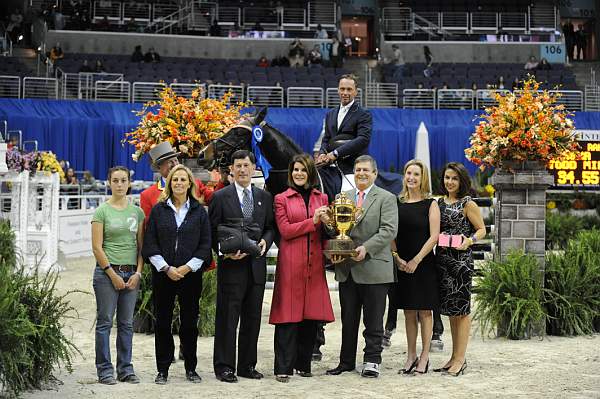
(355, 128)
(225, 205)
(178, 245)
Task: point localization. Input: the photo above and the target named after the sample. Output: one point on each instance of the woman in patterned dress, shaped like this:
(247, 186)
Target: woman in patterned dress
(460, 215)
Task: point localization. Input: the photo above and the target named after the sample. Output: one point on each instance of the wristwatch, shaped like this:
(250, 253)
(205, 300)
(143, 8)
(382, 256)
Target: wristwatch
(335, 153)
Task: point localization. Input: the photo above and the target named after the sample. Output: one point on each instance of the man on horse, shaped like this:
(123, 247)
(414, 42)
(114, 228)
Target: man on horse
(346, 135)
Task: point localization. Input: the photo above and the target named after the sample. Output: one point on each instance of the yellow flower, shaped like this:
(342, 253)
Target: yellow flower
(490, 189)
(551, 205)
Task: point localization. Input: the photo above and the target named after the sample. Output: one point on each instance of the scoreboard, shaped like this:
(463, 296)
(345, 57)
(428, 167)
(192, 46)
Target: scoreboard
(583, 173)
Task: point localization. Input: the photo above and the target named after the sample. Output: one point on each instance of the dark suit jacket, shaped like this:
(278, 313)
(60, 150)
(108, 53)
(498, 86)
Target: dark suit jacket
(355, 130)
(225, 204)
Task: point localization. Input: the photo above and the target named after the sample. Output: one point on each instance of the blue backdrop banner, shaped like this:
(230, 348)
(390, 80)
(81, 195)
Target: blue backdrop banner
(89, 134)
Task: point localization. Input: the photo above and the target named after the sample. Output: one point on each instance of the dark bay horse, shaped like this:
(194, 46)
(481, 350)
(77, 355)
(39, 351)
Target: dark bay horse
(279, 150)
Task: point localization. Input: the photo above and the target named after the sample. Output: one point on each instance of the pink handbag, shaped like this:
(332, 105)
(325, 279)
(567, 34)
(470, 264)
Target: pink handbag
(450, 241)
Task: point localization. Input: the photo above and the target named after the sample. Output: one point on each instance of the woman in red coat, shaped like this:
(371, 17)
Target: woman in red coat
(301, 296)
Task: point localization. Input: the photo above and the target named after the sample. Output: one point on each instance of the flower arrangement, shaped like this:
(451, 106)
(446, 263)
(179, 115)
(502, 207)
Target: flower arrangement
(528, 125)
(42, 161)
(187, 123)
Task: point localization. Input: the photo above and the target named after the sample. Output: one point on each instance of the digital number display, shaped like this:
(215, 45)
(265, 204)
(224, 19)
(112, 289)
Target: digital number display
(578, 173)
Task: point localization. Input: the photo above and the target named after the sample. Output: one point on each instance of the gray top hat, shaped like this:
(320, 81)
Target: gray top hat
(162, 152)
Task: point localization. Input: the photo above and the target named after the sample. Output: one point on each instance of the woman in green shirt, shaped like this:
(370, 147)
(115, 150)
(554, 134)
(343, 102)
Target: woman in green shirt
(117, 236)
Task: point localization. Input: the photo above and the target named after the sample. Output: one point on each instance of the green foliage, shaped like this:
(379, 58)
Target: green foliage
(32, 342)
(560, 227)
(509, 296)
(208, 304)
(572, 281)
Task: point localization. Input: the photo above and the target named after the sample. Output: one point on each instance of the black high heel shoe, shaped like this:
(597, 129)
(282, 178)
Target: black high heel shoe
(441, 369)
(459, 372)
(426, 369)
(410, 369)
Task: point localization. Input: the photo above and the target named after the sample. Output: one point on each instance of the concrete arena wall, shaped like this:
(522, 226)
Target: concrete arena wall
(243, 48)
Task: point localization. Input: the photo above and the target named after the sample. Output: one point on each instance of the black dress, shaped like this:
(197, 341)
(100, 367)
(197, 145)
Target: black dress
(418, 290)
(455, 267)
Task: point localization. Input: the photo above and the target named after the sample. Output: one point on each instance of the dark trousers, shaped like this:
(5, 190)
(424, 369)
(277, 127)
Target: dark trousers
(237, 303)
(293, 346)
(370, 298)
(187, 291)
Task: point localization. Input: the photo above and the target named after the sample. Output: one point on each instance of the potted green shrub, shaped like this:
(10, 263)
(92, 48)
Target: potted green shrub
(508, 296)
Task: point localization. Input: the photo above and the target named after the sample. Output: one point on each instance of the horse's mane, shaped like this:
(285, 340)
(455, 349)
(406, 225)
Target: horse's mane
(288, 145)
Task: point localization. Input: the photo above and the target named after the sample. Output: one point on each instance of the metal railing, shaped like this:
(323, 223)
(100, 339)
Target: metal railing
(487, 98)
(418, 98)
(80, 86)
(10, 87)
(40, 88)
(513, 21)
(381, 95)
(571, 99)
(110, 9)
(229, 15)
(217, 91)
(322, 12)
(543, 17)
(454, 99)
(265, 96)
(294, 17)
(305, 97)
(164, 12)
(140, 11)
(592, 98)
(252, 15)
(146, 91)
(484, 21)
(455, 21)
(201, 14)
(186, 89)
(108, 90)
(332, 98)
(397, 20)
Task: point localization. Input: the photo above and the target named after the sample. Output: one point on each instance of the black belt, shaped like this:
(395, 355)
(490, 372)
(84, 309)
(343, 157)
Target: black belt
(124, 268)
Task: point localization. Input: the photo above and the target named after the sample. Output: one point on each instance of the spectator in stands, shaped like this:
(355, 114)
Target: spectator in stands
(56, 53)
(215, 29)
(235, 30)
(70, 177)
(321, 33)
(336, 53)
(516, 85)
(315, 56)
(544, 65)
(59, 19)
(531, 64)
(99, 67)
(85, 67)
(257, 27)
(14, 27)
(580, 42)
(104, 24)
(132, 25)
(151, 56)
(428, 57)
(88, 182)
(398, 63)
(137, 55)
(569, 33)
(263, 62)
(279, 11)
(296, 53)
(500, 83)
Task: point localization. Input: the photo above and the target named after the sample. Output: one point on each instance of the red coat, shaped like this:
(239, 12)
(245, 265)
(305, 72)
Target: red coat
(301, 291)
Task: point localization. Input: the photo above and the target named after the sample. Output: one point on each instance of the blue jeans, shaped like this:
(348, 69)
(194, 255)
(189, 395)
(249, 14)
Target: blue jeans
(108, 299)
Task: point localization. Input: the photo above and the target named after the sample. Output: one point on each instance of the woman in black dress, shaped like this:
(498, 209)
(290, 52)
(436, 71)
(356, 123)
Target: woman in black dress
(459, 216)
(417, 286)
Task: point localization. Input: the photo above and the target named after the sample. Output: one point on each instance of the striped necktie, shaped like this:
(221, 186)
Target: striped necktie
(247, 206)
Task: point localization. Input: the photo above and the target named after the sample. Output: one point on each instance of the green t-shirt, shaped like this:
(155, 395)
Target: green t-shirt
(120, 232)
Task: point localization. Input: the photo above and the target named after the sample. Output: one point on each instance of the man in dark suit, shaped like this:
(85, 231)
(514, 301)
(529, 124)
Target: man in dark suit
(365, 278)
(240, 277)
(347, 133)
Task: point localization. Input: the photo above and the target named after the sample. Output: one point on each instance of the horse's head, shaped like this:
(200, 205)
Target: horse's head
(217, 154)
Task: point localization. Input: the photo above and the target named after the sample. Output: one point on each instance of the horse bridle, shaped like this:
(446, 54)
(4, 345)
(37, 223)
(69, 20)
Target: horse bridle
(220, 161)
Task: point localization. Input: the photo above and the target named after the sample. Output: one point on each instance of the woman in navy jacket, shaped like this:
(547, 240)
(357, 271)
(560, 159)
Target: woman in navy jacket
(177, 244)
